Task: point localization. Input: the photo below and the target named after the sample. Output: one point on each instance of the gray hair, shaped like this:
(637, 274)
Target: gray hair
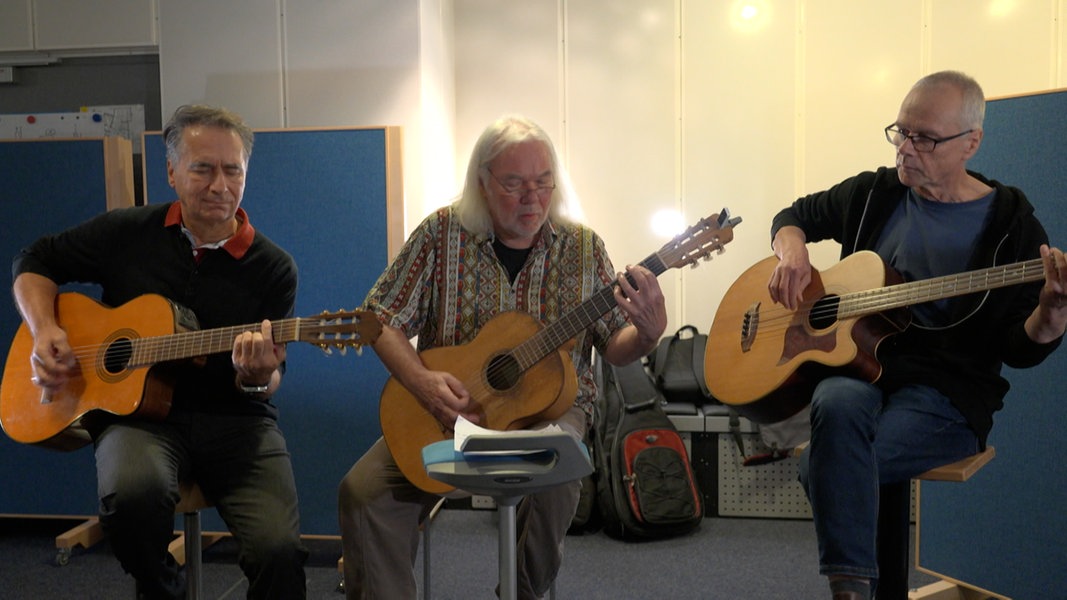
(505, 132)
(198, 114)
(972, 113)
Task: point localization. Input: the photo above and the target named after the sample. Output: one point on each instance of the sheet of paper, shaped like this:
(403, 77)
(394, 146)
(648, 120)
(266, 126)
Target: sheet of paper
(464, 429)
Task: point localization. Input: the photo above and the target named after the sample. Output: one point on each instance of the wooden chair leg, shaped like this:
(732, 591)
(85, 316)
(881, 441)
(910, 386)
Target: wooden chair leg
(85, 535)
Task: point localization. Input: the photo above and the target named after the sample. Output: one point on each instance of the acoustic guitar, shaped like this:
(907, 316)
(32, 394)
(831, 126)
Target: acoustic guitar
(123, 354)
(516, 369)
(765, 359)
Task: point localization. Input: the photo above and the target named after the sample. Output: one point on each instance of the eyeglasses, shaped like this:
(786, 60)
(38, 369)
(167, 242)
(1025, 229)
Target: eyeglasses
(921, 143)
(519, 187)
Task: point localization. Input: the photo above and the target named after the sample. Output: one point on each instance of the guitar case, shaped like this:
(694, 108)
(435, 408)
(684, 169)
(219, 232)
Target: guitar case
(645, 486)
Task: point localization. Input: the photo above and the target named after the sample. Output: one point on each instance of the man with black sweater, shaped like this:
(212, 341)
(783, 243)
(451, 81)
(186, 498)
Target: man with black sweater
(201, 252)
(941, 382)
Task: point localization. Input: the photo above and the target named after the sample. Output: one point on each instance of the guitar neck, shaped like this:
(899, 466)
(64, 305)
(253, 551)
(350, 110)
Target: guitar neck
(150, 350)
(572, 323)
(907, 294)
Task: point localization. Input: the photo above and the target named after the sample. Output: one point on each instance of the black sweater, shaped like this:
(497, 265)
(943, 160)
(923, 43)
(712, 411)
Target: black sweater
(130, 252)
(964, 361)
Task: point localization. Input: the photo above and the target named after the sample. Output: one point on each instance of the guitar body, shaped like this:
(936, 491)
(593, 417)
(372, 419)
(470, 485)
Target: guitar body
(126, 358)
(508, 399)
(765, 360)
(32, 415)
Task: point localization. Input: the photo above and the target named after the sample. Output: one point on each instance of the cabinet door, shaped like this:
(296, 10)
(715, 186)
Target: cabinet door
(68, 24)
(16, 25)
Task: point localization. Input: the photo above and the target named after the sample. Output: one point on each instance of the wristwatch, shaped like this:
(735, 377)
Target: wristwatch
(251, 389)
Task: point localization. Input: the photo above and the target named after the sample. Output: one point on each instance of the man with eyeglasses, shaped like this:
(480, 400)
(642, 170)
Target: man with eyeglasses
(504, 245)
(941, 383)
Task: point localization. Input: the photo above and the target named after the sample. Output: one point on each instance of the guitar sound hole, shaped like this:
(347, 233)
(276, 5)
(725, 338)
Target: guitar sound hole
(503, 372)
(824, 313)
(117, 356)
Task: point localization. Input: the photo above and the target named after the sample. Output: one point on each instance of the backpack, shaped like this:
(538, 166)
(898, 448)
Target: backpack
(645, 486)
(677, 366)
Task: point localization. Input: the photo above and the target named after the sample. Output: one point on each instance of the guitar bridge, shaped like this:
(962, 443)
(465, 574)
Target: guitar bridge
(749, 327)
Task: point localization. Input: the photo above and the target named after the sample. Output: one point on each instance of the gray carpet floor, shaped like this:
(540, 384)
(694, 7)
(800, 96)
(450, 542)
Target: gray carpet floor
(725, 558)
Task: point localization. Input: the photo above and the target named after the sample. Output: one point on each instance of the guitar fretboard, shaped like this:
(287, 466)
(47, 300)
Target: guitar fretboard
(916, 292)
(696, 243)
(572, 323)
(150, 350)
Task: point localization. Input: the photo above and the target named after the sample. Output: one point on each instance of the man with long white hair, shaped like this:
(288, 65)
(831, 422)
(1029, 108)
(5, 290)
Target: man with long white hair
(504, 245)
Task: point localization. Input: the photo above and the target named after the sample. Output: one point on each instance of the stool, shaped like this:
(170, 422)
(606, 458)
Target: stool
(188, 548)
(425, 528)
(894, 520)
(506, 468)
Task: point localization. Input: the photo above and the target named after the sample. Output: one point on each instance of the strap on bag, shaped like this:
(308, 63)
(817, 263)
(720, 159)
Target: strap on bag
(635, 381)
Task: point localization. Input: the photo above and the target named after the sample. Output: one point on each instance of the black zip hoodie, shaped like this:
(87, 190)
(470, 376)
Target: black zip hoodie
(964, 360)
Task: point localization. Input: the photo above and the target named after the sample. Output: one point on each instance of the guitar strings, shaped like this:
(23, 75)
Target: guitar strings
(546, 340)
(135, 352)
(832, 308)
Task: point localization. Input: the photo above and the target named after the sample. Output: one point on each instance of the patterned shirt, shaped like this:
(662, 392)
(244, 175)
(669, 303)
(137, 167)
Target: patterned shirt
(447, 282)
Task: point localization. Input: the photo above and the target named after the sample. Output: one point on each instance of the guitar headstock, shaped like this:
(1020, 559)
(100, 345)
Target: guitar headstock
(708, 235)
(341, 329)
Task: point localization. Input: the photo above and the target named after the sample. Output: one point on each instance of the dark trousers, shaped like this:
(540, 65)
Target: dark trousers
(242, 465)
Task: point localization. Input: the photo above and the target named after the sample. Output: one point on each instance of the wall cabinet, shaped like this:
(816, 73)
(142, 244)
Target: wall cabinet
(70, 24)
(46, 25)
(16, 25)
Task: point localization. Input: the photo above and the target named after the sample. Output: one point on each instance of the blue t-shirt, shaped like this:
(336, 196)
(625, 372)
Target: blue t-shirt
(925, 239)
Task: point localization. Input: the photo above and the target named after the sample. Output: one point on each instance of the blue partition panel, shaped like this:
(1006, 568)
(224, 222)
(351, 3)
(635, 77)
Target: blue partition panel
(1004, 529)
(321, 195)
(49, 185)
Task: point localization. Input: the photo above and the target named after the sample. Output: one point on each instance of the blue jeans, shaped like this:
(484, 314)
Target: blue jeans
(862, 438)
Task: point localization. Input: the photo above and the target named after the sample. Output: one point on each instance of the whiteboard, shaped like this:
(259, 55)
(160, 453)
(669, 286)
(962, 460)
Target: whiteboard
(59, 125)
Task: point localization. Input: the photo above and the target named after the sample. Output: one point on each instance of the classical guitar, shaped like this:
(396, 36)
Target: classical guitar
(515, 368)
(765, 360)
(122, 355)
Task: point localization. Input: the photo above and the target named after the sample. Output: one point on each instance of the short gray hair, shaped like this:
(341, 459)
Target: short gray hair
(972, 113)
(199, 114)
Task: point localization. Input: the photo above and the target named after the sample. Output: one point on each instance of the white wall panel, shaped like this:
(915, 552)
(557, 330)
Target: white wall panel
(860, 59)
(738, 119)
(1060, 34)
(507, 61)
(1008, 45)
(336, 78)
(222, 53)
(621, 111)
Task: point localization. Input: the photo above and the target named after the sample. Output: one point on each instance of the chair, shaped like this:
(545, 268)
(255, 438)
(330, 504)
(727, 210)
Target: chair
(507, 468)
(894, 520)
